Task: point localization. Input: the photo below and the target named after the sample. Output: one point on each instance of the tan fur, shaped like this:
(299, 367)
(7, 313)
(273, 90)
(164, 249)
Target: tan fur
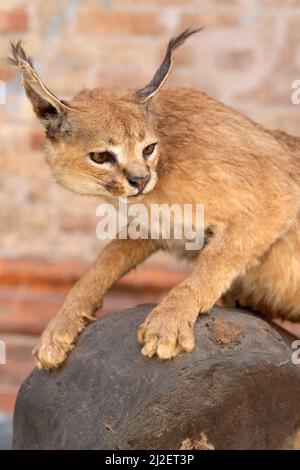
(247, 178)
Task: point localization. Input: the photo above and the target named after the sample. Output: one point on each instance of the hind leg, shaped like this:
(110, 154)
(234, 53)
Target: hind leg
(272, 287)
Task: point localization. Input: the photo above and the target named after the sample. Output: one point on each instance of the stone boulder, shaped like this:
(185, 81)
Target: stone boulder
(237, 390)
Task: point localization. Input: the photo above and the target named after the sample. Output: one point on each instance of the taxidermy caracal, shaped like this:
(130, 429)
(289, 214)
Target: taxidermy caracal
(175, 146)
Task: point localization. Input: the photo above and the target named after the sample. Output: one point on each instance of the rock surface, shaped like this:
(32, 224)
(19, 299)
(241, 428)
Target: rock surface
(237, 390)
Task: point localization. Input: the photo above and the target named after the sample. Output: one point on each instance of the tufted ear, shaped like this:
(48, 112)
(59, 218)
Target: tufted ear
(146, 93)
(48, 108)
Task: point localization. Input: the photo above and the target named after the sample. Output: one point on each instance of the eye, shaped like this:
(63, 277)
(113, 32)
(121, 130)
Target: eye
(102, 157)
(147, 152)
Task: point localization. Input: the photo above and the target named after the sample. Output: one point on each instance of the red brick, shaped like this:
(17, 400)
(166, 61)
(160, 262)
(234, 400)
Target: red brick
(43, 273)
(7, 72)
(208, 19)
(102, 21)
(7, 400)
(13, 20)
(65, 273)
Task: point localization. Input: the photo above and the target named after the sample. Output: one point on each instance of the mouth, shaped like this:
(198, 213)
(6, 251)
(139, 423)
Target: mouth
(139, 193)
(135, 196)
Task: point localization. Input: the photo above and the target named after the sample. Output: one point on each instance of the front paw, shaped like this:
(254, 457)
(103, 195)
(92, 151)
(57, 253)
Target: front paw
(57, 341)
(166, 334)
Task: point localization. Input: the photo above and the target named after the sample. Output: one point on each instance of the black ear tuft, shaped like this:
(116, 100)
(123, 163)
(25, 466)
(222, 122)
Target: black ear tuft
(18, 53)
(182, 37)
(49, 108)
(163, 71)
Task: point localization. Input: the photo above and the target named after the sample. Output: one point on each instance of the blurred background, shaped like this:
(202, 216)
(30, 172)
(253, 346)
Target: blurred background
(247, 56)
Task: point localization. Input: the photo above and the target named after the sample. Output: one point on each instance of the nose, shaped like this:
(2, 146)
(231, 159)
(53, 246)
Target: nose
(139, 182)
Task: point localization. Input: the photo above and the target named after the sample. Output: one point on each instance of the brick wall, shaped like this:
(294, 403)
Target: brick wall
(247, 56)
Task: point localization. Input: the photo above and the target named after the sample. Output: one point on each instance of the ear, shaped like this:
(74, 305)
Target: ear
(48, 108)
(146, 93)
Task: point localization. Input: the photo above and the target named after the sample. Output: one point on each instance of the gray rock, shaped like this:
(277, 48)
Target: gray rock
(237, 390)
